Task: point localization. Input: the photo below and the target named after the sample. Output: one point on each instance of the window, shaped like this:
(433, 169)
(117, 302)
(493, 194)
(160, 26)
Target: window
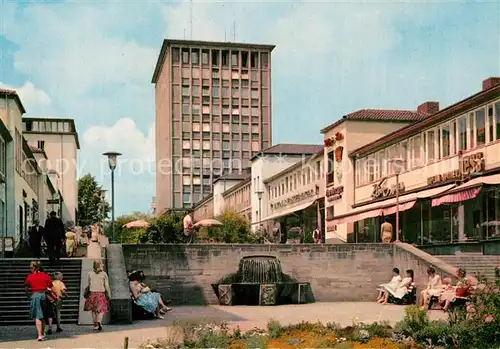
(225, 58)
(175, 55)
(331, 162)
(186, 197)
(204, 57)
(263, 60)
(234, 58)
(254, 60)
(430, 146)
(196, 127)
(471, 128)
(454, 138)
(404, 155)
(462, 133)
(41, 145)
(491, 124)
(445, 132)
(480, 127)
(195, 56)
(185, 56)
(215, 57)
(497, 118)
(185, 90)
(225, 145)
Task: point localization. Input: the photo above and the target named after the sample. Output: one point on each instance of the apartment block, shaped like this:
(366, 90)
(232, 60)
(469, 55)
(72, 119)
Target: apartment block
(213, 114)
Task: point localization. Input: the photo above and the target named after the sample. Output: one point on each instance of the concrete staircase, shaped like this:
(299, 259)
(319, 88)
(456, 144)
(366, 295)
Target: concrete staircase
(14, 304)
(474, 263)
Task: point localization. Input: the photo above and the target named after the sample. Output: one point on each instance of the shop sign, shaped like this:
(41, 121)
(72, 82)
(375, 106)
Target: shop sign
(294, 199)
(334, 193)
(445, 177)
(470, 165)
(381, 190)
(473, 164)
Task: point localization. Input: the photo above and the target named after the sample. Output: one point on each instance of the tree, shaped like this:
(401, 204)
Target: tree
(167, 228)
(91, 207)
(128, 236)
(235, 229)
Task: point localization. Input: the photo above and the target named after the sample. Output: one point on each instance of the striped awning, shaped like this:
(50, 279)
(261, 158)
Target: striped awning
(456, 197)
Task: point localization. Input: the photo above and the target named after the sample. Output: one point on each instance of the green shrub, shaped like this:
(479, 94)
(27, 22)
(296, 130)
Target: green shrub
(415, 320)
(274, 328)
(256, 342)
(212, 340)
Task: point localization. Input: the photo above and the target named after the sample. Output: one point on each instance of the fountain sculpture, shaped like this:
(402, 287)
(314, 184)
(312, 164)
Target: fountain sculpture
(260, 281)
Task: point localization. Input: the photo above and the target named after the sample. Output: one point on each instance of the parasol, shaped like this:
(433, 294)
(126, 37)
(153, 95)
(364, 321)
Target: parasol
(136, 224)
(208, 223)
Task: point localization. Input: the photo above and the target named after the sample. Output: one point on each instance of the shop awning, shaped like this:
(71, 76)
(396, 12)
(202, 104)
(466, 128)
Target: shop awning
(290, 210)
(468, 190)
(388, 207)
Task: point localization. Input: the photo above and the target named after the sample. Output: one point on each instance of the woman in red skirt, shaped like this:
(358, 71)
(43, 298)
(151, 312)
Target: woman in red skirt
(97, 294)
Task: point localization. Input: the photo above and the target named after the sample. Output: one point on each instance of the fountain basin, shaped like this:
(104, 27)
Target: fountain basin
(260, 281)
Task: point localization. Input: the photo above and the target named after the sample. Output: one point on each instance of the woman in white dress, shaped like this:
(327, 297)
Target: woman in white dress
(402, 288)
(393, 285)
(434, 288)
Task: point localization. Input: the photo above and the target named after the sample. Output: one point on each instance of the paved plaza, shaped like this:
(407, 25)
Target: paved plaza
(244, 317)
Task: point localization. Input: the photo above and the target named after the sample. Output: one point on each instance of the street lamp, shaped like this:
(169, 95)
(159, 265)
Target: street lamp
(397, 167)
(112, 162)
(259, 196)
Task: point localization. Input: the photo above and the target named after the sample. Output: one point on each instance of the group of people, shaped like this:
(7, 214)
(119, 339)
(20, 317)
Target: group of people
(55, 236)
(442, 291)
(150, 301)
(46, 298)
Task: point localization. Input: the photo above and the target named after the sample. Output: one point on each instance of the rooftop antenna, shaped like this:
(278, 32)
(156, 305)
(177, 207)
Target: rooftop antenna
(191, 19)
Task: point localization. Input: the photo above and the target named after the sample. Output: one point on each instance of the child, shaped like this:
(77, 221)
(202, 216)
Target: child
(70, 243)
(59, 289)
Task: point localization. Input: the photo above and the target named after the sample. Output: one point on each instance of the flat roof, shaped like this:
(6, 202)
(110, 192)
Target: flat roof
(53, 119)
(202, 44)
(291, 149)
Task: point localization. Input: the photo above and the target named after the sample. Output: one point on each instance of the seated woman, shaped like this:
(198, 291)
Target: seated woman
(151, 302)
(433, 289)
(448, 292)
(393, 284)
(404, 286)
(462, 290)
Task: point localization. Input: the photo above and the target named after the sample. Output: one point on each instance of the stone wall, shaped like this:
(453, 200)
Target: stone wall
(184, 273)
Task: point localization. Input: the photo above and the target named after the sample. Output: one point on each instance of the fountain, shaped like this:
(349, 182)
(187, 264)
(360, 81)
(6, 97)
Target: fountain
(260, 281)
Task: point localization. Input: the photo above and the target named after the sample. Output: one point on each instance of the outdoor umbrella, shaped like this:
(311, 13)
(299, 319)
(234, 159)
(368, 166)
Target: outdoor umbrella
(208, 223)
(136, 224)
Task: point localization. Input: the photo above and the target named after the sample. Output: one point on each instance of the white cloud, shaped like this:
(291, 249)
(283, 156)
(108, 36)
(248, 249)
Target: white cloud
(32, 97)
(124, 137)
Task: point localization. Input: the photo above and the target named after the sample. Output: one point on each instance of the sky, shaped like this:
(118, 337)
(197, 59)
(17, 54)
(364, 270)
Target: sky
(93, 62)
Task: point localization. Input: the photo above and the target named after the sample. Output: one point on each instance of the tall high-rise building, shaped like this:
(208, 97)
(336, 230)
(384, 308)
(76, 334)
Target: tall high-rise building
(213, 113)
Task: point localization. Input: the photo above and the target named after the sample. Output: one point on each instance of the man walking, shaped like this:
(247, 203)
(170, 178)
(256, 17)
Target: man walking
(54, 236)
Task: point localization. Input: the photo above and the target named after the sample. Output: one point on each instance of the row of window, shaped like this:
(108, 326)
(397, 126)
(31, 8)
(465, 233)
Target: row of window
(216, 91)
(224, 77)
(227, 111)
(215, 127)
(48, 126)
(239, 200)
(474, 129)
(306, 175)
(226, 145)
(220, 57)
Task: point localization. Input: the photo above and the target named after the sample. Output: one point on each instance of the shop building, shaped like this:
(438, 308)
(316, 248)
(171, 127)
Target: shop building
(296, 197)
(238, 197)
(347, 134)
(437, 180)
(267, 164)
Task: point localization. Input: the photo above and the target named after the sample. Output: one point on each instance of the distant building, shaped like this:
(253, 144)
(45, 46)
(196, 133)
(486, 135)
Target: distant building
(58, 138)
(213, 114)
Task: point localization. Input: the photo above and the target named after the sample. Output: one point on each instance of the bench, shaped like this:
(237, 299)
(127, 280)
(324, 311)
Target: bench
(408, 299)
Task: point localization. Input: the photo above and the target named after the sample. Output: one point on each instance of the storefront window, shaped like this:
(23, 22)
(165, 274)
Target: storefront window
(404, 155)
(480, 127)
(367, 230)
(492, 219)
(446, 140)
(462, 129)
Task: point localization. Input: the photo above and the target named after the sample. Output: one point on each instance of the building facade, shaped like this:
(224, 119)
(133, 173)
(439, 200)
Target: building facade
(435, 181)
(25, 189)
(238, 197)
(213, 114)
(349, 133)
(58, 138)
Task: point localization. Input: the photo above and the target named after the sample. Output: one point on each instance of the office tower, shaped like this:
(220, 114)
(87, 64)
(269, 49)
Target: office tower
(213, 113)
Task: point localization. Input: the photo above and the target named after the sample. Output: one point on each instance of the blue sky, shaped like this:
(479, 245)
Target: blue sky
(93, 61)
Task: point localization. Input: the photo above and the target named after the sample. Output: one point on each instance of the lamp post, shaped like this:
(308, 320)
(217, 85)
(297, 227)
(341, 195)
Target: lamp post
(259, 196)
(112, 162)
(397, 166)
